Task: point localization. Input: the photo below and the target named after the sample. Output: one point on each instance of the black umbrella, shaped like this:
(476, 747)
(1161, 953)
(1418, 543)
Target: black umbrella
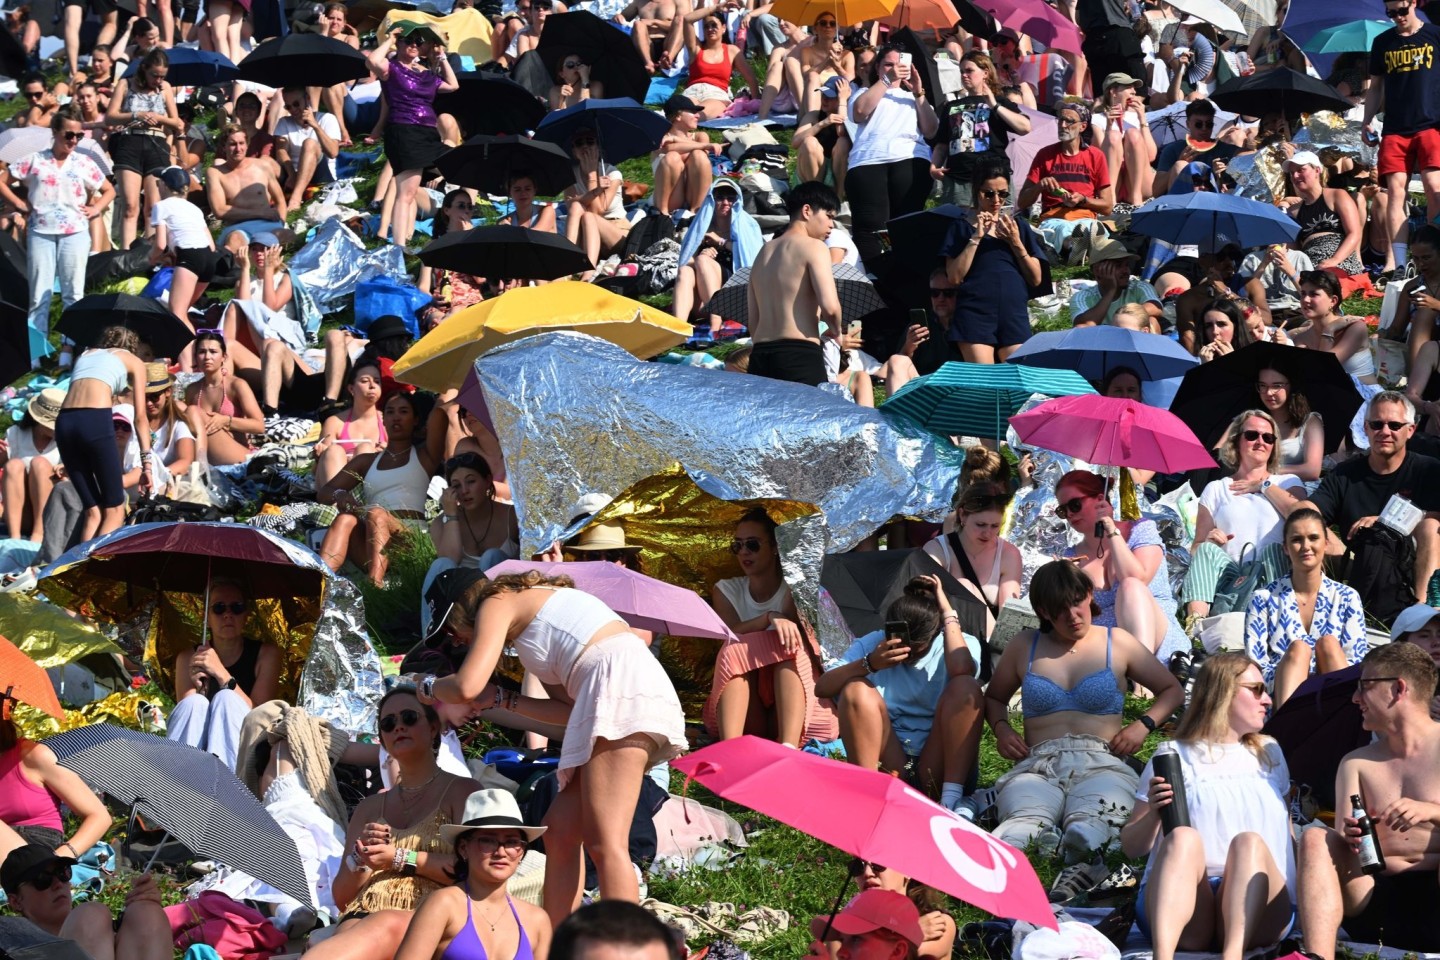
(486, 163)
(916, 238)
(858, 296)
(1284, 90)
(1213, 393)
(614, 60)
(921, 59)
(14, 343)
(529, 72)
(509, 253)
(151, 320)
(303, 60)
(489, 103)
(13, 61)
(623, 128)
(864, 584)
(1316, 727)
(188, 793)
(976, 21)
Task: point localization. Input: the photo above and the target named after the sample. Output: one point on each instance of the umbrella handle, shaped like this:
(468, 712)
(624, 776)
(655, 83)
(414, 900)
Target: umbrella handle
(834, 909)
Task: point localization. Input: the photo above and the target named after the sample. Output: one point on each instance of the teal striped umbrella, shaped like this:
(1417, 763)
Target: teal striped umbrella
(1350, 36)
(977, 399)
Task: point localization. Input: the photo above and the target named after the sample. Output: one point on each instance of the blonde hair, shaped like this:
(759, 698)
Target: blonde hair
(1228, 449)
(1132, 310)
(1207, 719)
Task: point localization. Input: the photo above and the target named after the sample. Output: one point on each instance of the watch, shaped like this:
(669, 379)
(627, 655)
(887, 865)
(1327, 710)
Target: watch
(1266, 484)
(1148, 722)
(232, 683)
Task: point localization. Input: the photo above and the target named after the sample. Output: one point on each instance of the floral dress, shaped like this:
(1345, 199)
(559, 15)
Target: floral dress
(1273, 623)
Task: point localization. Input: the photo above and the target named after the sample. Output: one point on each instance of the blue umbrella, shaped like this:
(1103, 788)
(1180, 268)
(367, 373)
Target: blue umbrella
(977, 399)
(1350, 37)
(1304, 20)
(1093, 352)
(624, 128)
(1213, 220)
(194, 68)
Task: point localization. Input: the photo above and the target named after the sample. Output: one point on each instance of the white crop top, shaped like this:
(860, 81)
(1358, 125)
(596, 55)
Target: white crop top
(554, 640)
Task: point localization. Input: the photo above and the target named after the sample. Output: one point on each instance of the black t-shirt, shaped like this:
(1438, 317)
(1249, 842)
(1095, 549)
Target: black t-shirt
(976, 129)
(1411, 75)
(1094, 16)
(935, 351)
(1352, 490)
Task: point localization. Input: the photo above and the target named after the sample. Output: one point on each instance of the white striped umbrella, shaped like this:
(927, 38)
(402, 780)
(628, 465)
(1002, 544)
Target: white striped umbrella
(191, 795)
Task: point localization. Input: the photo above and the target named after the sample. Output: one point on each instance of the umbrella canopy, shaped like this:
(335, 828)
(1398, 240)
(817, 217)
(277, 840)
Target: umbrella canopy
(923, 15)
(486, 163)
(623, 127)
(22, 680)
(440, 360)
(1351, 37)
(875, 817)
(512, 253)
(303, 60)
(1093, 352)
(846, 12)
(614, 60)
(1213, 12)
(1213, 220)
(14, 61)
(1110, 432)
(858, 296)
(976, 399)
(190, 794)
(916, 238)
(1304, 20)
(1036, 18)
(490, 103)
(151, 320)
(194, 68)
(17, 143)
(1317, 726)
(642, 601)
(863, 584)
(1281, 89)
(1215, 392)
(14, 342)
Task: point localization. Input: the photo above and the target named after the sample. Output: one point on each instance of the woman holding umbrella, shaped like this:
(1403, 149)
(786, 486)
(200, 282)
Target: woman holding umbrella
(410, 86)
(144, 107)
(451, 291)
(1300, 430)
(596, 214)
(937, 926)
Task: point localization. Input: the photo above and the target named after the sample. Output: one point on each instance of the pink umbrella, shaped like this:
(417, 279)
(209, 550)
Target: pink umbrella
(1036, 18)
(1111, 432)
(875, 817)
(643, 601)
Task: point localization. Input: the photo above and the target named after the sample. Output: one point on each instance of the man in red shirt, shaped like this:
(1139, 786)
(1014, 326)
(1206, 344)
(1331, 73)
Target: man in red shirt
(1071, 179)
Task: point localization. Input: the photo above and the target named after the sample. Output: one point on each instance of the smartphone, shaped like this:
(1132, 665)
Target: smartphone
(905, 59)
(919, 318)
(854, 328)
(900, 629)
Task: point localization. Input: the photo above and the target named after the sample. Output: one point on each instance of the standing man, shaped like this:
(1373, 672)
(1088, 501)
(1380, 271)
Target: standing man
(66, 191)
(1405, 86)
(1110, 45)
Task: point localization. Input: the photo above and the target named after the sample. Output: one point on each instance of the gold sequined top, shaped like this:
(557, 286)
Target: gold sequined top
(388, 890)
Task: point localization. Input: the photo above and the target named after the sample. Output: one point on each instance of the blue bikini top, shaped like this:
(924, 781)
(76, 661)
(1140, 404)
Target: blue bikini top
(1095, 694)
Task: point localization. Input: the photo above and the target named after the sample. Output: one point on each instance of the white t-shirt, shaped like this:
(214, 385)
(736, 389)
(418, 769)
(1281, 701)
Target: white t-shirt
(165, 439)
(21, 443)
(892, 133)
(1249, 517)
(184, 223)
(296, 135)
(840, 239)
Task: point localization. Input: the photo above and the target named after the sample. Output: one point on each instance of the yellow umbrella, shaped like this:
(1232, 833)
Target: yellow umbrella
(847, 12)
(923, 14)
(440, 360)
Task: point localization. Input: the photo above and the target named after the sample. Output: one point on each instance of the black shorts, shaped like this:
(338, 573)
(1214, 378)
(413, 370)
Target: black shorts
(139, 153)
(990, 329)
(100, 7)
(1401, 912)
(201, 261)
(794, 361)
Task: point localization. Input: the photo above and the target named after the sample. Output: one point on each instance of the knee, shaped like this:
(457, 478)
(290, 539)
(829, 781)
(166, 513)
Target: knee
(376, 516)
(1247, 847)
(859, 700)
(672, 161)
(961, 693)
(14, 467)
(310, 150)
(1316, 846)
(809, 151)
(1132, 589)
(1186, 840)
(1329, 644)
(272, 351)
(1298, 652)
(698, 159)
(88, 922)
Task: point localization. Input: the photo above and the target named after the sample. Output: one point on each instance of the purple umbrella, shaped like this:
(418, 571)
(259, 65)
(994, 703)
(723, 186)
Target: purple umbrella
(643, 601)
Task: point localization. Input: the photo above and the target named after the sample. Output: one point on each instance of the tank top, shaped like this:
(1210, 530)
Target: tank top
(1096, 694)
(104, 366)
(1292, 450)
(551, 644)
(468, 946)
(737, 591)
(398, 489)
(411, 95)
(716, 74)
(243, 669)
(1316, 218)
(22, 803)
(145, 101)
(388, 890)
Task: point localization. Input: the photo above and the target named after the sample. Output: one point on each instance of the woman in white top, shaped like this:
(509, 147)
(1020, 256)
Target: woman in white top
(1236, 782)
(180, 233)
(974, 552)
(1240, 516)
(620, 712)
(174, 444)
(1300, 429)
(30, 458)
(889, 174)
(596, 219)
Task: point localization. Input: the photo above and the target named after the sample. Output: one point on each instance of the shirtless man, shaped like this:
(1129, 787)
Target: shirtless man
(650, 22)
(793, 272)
(1398, 776)
(244, 192)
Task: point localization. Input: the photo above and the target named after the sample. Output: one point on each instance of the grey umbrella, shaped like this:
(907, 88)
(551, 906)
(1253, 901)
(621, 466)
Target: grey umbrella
(858, 296)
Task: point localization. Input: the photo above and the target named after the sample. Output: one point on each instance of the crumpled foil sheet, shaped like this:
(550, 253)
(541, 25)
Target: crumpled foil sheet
(46, 634)
(1261, 175)
(834, 633)
(335, 260)
(576, 415)
(127, 709)
(342, 680)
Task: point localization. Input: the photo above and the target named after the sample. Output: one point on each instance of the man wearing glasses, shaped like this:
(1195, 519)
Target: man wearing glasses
(1405, 87)
(1174, 157)
(1398, 779)
(306, 145)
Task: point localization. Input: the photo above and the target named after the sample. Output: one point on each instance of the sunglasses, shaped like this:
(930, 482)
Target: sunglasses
(219, 609)
(1394, 426)
(725, 197)
(999, 194)
(409, 42)
(390, 721)
(1204, 123)
(488, 845)
(858, 866)
(836, 23)
(34, 94)
(1376, 679)
(942, 291)
(45, 879)
(1395, 13)
(72, 135)
(1258, 689)
(1264, 387)
(747, 544)
(583, 142)
(608, 556)
(1252, 435)
(570, 65)
(1063, 510)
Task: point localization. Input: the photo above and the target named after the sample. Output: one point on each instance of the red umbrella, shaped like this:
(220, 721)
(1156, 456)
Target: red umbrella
(24, 682)
(1111, 432)
(1036, 18)
(875, 817)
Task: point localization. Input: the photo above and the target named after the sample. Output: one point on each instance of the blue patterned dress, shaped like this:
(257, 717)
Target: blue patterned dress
(1273, 623)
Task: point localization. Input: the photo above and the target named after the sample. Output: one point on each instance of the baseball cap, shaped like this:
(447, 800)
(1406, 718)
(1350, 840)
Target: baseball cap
(445, 593)
(1120, 80)
(175, 178)
(1304, 158)
(831, 87)
(875, 910)
(265, 239)
(1411, 619)
(680, 104)
(124, 413)
(24, 862)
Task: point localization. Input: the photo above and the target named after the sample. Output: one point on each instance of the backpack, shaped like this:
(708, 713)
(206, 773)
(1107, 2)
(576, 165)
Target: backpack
(646, 233)
(1237, 582)
(1381, 568)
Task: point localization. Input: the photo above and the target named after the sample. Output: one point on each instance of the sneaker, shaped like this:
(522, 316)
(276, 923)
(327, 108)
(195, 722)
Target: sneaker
(968, 808)
(1077, 880)
(1123, 882)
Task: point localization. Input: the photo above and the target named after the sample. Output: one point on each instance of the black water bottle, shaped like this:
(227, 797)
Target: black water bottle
(1166, 764)
(1372, 858)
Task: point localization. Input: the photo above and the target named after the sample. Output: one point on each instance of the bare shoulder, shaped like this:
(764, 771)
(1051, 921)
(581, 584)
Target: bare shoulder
(531, 916)
(457, 792)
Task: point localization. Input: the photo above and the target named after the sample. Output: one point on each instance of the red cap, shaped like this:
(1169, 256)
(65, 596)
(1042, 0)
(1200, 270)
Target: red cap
(875, 910)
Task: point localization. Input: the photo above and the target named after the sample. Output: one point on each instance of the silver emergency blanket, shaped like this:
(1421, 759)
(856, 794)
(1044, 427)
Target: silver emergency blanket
(1261, 175)
(332, 262)
(342, 680)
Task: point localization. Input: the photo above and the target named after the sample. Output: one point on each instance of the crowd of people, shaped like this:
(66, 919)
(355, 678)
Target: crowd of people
(957, 170)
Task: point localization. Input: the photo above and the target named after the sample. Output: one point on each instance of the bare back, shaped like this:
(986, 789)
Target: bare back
(1382, 778)
(784, 300)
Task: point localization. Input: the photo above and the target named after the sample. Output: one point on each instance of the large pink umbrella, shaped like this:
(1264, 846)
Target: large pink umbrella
(1036, 18)
(643, 601)
(875, 817)
(1111, 432)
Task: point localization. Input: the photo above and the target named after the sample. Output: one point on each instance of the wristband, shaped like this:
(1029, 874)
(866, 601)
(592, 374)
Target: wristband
(1148, 722)
(951, 617)
(398, 861)
(427, 686)
(411, 863)
(866, 660)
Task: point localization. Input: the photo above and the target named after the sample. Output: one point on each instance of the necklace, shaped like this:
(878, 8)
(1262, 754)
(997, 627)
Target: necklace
(490, 519)
(488, 922)
(414, 791)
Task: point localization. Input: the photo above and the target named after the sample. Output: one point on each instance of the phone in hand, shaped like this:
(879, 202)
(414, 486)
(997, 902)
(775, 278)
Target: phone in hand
(854, 328)
(898, 629)
(919, 317)
(906, 59)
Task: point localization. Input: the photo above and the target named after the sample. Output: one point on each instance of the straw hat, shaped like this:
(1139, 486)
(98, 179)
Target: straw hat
(601, 536)
(158, 377)
(44, 407)
(494, 809)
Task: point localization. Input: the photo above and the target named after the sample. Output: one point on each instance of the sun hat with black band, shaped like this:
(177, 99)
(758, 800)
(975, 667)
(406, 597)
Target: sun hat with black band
(158, 378)
(494, 809)
(601, 536)
(24, 862)
(44, 407)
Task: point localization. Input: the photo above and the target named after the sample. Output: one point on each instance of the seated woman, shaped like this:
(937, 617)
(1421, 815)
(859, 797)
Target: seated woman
(262, 321)
(474, 530)
(681, 163)
(217, 684)
(394, 481)
(359, 430)
(713, 61)
(174, 444)
(1331, 228)
(1123, 383)
(1125, 562)
(1300, 430)
(32, 787)
(937, 926)
(489, 844)
(30, 458)
(974, 543)
(903, 698)
(573, 84)
(1346, 337)
(1305, 622)
(1414, 322)
(1223, 330)
(527, 213)
(596, 203)
(220, 409)
(1068, 772)
(397, 852)
(765, 680)
(1227, 880)
(141, 932)
(720, 239)
(451, 290)
(1240, 516)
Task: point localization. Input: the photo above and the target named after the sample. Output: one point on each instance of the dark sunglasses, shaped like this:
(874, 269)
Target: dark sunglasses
(72, 135)
(1204, 123)
(1252, 435)
(858, 866)
(1063, 510)
(830, 23)
(570, 65)
(45, 879)
(1394, 426)
(469, 461)
(609, 556)
(34, 94)
(389, 722)
(583, 142)
(999, 194)
(747, 544)
(1395, 13)
(1258, 689)
(942, 291)
(237, 608)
